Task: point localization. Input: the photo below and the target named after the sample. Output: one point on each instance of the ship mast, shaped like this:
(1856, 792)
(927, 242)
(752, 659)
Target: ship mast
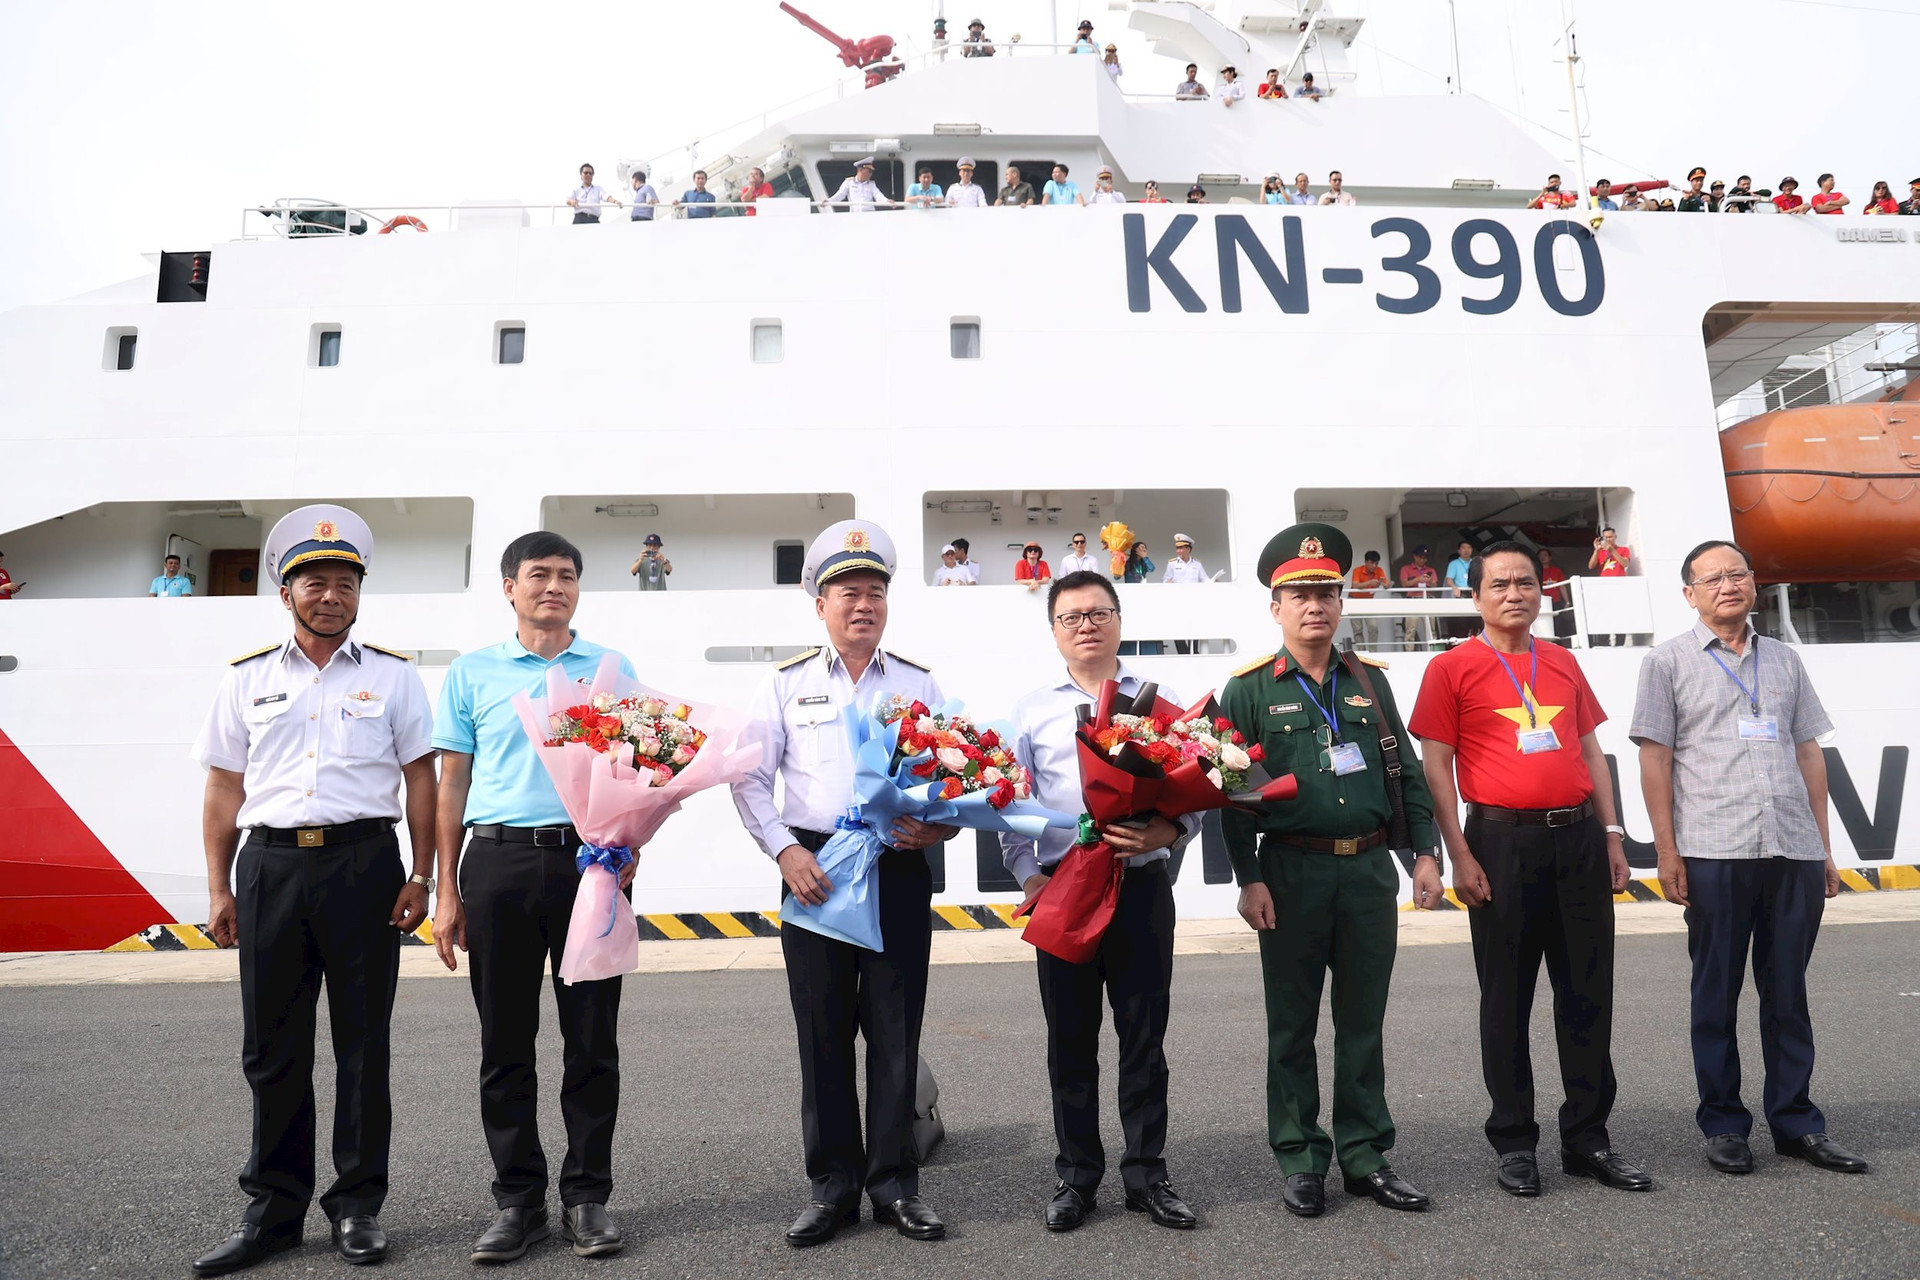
(1587, 201)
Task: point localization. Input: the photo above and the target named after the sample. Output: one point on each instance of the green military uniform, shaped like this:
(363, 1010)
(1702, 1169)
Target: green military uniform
(1334, 907)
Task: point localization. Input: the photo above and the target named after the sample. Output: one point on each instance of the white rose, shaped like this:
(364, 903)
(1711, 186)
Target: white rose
(1235, 758)
(990, 776)
(925, 724)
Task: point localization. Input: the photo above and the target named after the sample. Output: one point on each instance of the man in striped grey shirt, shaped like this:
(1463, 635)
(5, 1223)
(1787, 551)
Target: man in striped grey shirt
(1736, 788)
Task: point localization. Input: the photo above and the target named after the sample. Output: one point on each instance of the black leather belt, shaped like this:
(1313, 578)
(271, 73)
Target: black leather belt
(1533, 817)
(317, 837)
(562, 837)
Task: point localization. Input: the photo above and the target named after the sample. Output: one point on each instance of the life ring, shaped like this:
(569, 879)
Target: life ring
(403, 220)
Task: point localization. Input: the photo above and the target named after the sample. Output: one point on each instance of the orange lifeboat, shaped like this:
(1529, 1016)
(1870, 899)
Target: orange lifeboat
(1829, 493)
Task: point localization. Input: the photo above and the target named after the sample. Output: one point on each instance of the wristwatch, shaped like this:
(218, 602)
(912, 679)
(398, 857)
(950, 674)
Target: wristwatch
(1617, 831)
(416, 878)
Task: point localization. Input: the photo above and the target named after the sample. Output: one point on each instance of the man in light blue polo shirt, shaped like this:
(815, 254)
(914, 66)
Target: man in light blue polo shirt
(172, 582)
(508, 905)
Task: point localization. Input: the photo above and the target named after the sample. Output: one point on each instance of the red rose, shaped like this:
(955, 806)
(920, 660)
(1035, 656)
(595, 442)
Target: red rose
(1222, 725)
(1256, 753)
(926, 768)
(1001, 797)
(989, 739)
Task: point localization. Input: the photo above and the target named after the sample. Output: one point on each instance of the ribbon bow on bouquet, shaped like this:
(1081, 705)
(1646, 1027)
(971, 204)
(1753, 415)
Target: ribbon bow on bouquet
(623, 757)
(1139, 756)
(912, 761)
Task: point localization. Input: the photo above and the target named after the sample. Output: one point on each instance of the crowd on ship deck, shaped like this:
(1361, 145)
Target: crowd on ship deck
(1701, 196)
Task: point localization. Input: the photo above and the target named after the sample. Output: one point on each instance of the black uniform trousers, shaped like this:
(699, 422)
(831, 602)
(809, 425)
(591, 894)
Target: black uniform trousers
(837, 987)
(1135, 965)
(308, 914)
(1776, 904)
(519, 900)
(1552, 900)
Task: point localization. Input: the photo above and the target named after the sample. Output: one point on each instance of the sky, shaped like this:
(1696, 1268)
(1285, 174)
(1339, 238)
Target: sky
(128, 128)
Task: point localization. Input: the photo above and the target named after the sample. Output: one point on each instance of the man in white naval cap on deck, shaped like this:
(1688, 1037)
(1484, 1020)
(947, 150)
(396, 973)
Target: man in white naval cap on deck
(305, 748)
(836, 987)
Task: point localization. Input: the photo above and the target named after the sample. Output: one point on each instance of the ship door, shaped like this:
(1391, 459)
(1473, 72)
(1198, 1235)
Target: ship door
(233, 572)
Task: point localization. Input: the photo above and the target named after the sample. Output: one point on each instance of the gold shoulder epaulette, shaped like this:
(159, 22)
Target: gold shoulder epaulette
(391, 653)
(1372, 661)
(257, 653)
(1256, 664)
(797, 659)
(917, 666)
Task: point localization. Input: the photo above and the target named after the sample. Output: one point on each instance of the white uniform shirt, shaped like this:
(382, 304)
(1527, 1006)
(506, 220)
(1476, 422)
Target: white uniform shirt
(797, 714)
(1179, 570)
(1227, 93)
(859, 196)
(1107, 197)
(967, 195)
(1071, 563)
(318, 746)
(1043, 726)
(590, 198)
(1341, 197)
(951, 574)
(973, 570)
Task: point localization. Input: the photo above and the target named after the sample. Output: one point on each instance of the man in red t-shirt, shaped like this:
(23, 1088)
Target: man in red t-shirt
(1789, 201)
(7, 585)
(1537, 864)
(1553, 595)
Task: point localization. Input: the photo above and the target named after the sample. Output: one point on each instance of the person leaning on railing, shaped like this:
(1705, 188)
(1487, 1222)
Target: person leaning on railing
(966, 193)
(860, 193)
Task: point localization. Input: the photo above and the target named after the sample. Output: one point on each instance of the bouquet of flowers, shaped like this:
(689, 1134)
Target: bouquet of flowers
(1139, 756)
(623, 757)
(1118, 540)
(911, 760)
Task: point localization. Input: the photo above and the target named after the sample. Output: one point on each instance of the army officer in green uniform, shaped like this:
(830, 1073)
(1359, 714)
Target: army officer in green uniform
(1317, 876)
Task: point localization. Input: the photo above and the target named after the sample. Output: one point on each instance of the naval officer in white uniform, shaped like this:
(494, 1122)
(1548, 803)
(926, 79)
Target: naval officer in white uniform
(305, 748)
(836, 987)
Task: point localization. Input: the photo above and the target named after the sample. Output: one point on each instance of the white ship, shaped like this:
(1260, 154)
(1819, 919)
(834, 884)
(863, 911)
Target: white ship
(1435, 364)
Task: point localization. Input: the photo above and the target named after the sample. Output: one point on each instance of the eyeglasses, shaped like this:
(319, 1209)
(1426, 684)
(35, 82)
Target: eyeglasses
(1734, 576)
(1098, 617)
(1079, 542)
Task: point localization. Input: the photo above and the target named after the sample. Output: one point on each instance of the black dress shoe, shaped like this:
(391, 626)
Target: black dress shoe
(1519, 1174)
(512, 1230)
(1305, 1195)
(359, 1239)
(1389, 1190)
(590, 1231)
(1822, 1152)
(1729, 1153)
(245, 1247)
(1164, 1205)
(1606, 1168)
(1068, 1208)
(818, 1222)
(911, 1218)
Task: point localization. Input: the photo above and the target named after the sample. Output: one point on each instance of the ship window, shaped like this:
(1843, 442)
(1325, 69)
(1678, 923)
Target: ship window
(713, 541)
(999, 522)
(323, 348)
(8, 664)
(113, 550)
(120, 346)
(767, 346)
(510, 342)
(788, 560)
(963, 338)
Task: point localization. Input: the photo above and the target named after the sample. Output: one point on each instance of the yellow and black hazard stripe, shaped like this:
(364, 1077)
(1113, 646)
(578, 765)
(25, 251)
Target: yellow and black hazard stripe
(194, 937)
(1852, 880)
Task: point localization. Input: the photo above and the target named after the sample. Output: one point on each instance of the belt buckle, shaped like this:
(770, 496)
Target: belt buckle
(1562, 817)
(541, 841)
(310, 837)
(1346, 846)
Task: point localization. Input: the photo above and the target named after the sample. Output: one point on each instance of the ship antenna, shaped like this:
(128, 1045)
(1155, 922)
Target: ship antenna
(1453, 26)
(1573, 101)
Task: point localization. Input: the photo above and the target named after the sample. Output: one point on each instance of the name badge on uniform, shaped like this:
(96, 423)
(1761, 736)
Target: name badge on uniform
(1534, 741)
(1759, 729)
(1346, 758)
(815, 700)
(272, 697)
(1283, 708)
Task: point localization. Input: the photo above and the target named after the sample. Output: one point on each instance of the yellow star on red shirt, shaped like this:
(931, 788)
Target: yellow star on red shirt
(1543, 715)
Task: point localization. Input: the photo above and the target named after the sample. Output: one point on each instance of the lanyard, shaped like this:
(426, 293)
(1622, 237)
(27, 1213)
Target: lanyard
(1333, 699)
(1533, 679)
(1753, 694)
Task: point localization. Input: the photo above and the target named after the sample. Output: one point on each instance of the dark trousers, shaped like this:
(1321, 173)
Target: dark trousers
(837, 988)
(1775, 903)
(1135, 965)
(519, 900)
(1553, 901)
(581, 216)
(307, 915)
(1337, 914)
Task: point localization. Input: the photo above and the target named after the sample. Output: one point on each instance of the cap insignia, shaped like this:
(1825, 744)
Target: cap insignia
(857, 540)
(324, 531)
(1310, 549)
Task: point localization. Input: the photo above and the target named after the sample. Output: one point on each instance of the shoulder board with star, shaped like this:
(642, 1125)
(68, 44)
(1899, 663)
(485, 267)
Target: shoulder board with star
(1256, 664)
(391, 653)
(1372, 661)
(797, 659)
(917, 666)
(257, 653)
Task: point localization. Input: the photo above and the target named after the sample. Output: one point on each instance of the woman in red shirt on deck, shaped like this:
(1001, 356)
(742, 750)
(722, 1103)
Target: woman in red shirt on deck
(1032, 570)
(1881, 201)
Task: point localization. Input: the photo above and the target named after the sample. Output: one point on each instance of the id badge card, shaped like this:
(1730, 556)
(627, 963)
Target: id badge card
(1759, 729)
(1534, 741)
(1347, 758)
